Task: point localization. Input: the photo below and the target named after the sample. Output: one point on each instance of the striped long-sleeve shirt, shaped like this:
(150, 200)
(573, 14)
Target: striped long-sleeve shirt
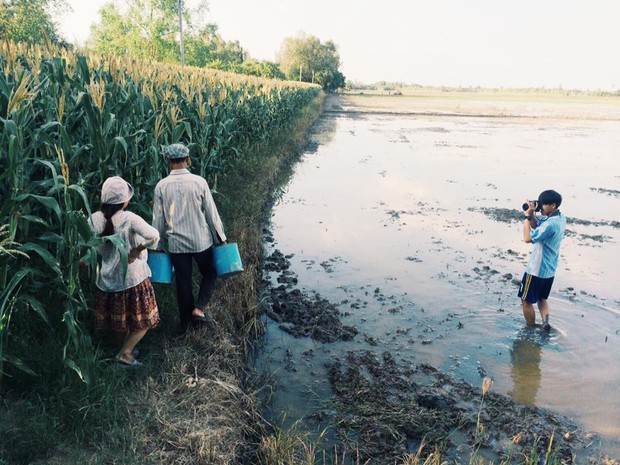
(185, 214)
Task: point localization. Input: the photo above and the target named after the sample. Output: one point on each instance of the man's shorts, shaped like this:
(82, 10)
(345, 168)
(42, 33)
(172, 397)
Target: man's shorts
(533, 288)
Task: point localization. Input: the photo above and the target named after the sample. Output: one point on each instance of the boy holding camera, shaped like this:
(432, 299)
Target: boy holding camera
(546, 233)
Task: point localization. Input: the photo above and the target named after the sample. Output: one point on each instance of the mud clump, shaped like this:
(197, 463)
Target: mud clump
(508, 215)
(386, 409)
(610, 192)
(299, 314)
(302, 316)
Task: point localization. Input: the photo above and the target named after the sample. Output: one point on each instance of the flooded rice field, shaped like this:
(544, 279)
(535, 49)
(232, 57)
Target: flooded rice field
(395, 253)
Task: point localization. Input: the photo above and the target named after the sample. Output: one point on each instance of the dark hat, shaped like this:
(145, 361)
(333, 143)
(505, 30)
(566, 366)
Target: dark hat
(548, 197)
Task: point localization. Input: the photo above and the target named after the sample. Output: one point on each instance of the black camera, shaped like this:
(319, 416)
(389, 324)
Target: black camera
(526, 205)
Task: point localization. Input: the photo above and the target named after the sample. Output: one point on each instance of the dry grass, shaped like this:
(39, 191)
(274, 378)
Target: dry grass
(196, 410)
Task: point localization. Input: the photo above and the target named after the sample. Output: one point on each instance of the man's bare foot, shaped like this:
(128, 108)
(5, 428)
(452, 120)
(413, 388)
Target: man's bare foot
(197, 313)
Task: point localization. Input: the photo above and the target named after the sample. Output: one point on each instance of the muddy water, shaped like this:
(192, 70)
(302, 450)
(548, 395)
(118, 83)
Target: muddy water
(410, 225)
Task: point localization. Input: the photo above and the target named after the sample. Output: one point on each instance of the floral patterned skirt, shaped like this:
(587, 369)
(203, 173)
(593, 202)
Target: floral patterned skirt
(134, 309)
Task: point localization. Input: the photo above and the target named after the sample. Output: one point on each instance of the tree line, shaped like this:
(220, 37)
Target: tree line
(149, 29)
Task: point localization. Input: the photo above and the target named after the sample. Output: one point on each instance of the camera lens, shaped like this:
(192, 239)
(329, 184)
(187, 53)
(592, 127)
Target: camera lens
(525, 206)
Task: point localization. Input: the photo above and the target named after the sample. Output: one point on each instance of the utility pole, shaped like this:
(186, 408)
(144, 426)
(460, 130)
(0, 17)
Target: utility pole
(181, 32)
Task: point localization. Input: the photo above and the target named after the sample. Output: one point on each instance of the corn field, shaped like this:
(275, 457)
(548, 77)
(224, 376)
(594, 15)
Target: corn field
(67, 122)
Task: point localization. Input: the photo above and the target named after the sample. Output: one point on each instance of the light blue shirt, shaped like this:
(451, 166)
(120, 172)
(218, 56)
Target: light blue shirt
(546, 239)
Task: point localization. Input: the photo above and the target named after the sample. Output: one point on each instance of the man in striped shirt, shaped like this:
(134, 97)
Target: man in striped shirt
(546, 234)
(187, 219)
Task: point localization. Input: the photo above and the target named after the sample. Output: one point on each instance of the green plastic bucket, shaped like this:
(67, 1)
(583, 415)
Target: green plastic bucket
(161, 267)
(227, 260)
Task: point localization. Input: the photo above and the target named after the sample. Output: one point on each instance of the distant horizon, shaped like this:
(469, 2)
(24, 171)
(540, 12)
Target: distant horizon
(561, 44)
(383, 82)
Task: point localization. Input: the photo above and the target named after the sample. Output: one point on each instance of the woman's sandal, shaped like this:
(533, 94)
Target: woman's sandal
(124, 364)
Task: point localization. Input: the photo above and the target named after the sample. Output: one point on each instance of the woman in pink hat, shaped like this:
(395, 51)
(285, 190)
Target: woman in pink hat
(124, 302)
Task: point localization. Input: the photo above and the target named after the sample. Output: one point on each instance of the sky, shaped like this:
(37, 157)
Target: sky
(490, 43)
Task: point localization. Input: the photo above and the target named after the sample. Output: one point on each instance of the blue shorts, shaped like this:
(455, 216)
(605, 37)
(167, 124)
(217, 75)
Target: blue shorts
(533, 288)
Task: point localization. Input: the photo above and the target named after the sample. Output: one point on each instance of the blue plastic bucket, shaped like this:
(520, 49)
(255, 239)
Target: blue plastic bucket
(227, 260)
(161, 267)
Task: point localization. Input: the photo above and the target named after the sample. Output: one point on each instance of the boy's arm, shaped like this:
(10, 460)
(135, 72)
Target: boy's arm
(528, 225)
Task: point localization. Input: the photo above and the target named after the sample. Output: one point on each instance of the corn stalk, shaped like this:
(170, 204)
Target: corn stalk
(69, 121)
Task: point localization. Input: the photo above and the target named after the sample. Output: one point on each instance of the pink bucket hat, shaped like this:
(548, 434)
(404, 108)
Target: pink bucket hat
(116, 190)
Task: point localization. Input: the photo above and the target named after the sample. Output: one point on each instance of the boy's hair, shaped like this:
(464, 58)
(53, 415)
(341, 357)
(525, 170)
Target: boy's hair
(548, 197)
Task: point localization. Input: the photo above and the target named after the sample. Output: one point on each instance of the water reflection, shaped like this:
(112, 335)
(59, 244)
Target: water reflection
(526, 375)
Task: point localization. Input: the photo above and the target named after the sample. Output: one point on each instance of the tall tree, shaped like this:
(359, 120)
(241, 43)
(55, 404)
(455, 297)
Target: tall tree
(206, 48)
(30, 20)
(146, 28)
(150, 29)
(262, 68)
(305, 58)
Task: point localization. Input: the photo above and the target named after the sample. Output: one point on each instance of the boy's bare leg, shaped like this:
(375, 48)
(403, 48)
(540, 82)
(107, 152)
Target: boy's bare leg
(543, 308)
(529, 313)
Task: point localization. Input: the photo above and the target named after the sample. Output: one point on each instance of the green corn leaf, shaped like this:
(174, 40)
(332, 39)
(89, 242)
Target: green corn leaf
(47, 257)
(177, 133)
(51, 166)
(19, 364)
(38, 307)
(84, 70)
(90, 259)
(48, 202)
(122, 141)
(35, 219)
(6, 293)
(81, 374)
(73, 330)
(82, 193)
(81, 222)
(51, 237)
(51, 124)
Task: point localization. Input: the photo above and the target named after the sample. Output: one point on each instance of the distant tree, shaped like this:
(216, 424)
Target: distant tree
(150, 29)
(147, 29)
(206, 48)
(305, 58)
(262, 68)
(30, 20)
